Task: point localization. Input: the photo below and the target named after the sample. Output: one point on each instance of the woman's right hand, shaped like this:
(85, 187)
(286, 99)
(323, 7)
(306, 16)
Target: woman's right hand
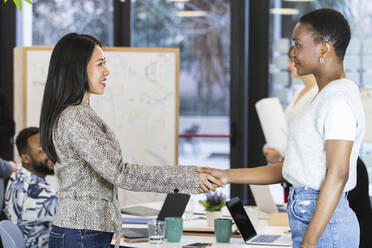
(219, 175)
(271, 154)
(207, 181)
(206, 185)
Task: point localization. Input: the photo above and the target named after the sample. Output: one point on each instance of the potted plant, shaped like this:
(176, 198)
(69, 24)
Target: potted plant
(213, 205)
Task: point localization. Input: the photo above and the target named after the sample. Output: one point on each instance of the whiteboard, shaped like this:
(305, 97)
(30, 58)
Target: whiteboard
(140, 102)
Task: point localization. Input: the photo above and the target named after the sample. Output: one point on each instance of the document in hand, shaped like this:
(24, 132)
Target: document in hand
(273, 122)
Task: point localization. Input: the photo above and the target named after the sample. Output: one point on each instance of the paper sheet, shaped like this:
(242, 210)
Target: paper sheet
(273, 123)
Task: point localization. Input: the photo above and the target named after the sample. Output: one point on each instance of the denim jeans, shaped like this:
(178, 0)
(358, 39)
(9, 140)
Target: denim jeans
(61, 237)
(342, 230)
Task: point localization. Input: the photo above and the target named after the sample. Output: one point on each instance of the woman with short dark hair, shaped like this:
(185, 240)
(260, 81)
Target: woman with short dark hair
(323, 140)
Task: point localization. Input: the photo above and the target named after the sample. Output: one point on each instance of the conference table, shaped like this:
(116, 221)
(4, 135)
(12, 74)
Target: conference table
(258, 218)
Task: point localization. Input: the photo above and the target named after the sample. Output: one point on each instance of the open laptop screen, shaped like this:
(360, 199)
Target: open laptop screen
(241, 219)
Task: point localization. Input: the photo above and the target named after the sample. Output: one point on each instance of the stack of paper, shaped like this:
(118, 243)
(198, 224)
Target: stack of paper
(273, 123)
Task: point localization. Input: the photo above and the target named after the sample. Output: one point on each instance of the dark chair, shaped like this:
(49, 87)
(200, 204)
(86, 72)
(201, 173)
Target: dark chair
(11, 235)
(360, 202)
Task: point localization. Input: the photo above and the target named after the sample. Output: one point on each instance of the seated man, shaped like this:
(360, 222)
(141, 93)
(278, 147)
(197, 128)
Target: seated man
(30, 202)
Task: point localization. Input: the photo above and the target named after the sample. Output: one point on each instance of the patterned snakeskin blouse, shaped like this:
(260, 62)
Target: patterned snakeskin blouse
(91, 167)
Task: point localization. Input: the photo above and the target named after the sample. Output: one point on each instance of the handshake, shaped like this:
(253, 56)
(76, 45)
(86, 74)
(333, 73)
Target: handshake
(211, 178)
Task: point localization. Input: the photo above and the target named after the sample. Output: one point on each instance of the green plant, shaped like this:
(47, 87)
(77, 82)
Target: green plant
(18, 3)
(214, 202)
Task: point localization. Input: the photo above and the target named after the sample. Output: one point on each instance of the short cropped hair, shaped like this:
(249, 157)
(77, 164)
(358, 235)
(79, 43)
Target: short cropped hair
(329, 25)
(21, 140)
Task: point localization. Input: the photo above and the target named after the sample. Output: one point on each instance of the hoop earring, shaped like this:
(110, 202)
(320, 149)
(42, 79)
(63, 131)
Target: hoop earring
(321, 60)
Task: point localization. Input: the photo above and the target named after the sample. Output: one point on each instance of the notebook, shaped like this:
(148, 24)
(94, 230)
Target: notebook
(135, 220)
(247, 230)
(140, 211)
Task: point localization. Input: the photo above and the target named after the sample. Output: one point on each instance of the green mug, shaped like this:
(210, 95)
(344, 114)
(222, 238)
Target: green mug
(173, 229)
(222, 229)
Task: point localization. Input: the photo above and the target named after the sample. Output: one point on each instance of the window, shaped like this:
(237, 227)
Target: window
(201, 30)
(51, 19)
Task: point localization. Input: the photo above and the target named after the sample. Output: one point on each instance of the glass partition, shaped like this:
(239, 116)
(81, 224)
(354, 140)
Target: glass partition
(201, 30)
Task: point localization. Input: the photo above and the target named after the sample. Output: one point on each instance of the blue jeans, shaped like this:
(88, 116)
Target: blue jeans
(342, 230)
(61, 237)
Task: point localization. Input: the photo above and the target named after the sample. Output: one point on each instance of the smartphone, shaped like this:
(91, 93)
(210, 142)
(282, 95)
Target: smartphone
(197, 245)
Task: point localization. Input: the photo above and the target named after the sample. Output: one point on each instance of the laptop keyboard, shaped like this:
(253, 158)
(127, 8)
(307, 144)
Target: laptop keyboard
(262, 238)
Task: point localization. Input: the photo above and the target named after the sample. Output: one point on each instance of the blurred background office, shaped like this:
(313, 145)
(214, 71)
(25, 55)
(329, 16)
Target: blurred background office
(232, 54)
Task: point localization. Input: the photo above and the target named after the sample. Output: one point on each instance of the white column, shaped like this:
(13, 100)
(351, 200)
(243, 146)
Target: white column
(24, 25)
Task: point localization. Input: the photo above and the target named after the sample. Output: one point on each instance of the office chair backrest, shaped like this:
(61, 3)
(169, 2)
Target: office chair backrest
(11, 235)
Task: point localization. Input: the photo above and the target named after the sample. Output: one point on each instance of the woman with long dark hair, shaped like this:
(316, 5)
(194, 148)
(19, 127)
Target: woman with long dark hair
(87, 156)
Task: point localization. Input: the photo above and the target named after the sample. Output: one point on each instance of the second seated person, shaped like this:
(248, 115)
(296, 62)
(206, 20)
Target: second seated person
(87, 156)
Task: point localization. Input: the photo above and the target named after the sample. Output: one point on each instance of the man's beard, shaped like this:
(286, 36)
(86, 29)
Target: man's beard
(42, 167)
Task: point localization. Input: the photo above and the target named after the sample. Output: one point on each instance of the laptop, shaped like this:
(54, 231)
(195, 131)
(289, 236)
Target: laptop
(264, 200)
(247, 230)
(140, 211)
(174, 205)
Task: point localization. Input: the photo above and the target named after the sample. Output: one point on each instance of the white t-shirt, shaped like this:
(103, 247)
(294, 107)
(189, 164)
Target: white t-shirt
(294, 109)
(340, 123)
(335, 113)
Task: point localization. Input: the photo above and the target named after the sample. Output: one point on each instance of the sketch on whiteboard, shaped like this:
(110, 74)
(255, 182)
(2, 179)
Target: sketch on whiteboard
(145, 95)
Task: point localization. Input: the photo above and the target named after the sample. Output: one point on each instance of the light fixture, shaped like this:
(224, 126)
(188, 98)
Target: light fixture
(191, 13)
(298, 0)
(179, 0)
(284, 11)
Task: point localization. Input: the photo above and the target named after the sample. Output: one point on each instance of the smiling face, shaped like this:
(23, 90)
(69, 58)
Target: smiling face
(306, 52)
(292, 69)
(97, 72)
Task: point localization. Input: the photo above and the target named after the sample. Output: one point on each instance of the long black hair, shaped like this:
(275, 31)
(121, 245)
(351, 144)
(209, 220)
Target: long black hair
(66, 83)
